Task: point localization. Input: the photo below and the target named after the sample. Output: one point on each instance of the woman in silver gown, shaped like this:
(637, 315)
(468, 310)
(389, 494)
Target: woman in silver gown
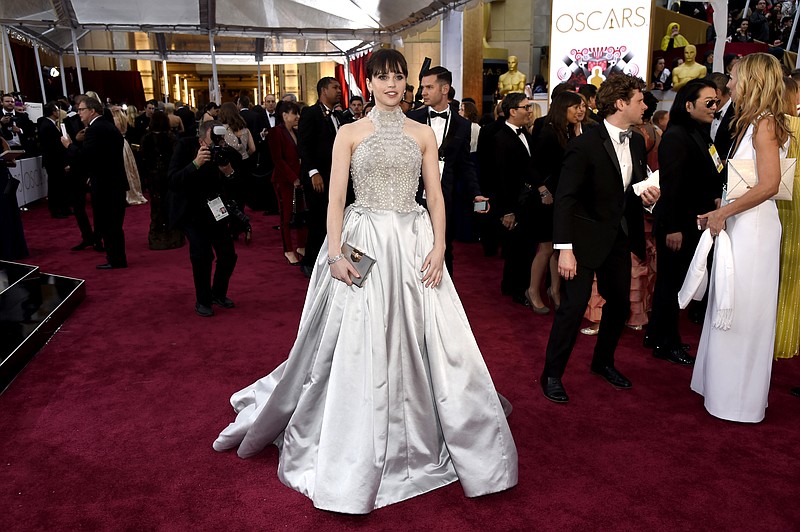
(385, 394)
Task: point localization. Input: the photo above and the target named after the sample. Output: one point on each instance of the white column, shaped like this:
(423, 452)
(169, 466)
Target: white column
(77, 61)
(166, 80)
(452, 47)
(215, 93)
(7, 41)
(5, 58)
(39, 69)
(721, 28)
(62, 75)
(258, 89)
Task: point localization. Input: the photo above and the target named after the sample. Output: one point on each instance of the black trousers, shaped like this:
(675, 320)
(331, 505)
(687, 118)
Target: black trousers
(206, 240)
(57, 191)
(76, 194)
(672, 266)
(519, 248)
(317, 220)
(109, 215)
(614, 284)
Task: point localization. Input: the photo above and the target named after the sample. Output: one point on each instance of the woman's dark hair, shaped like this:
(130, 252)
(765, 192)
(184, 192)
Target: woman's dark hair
(384, 61)
(470, 111)
(557, 115)
(652, 105)
(229, 115)
(688, 93)
(210, 106)
(285, 107)
(538, 81)
(159, 122)
(706, 55)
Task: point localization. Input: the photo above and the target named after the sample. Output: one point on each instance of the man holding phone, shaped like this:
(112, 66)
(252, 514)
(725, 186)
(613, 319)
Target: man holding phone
(452, 135)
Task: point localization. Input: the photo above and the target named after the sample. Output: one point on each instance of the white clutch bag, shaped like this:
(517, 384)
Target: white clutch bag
(742, 177)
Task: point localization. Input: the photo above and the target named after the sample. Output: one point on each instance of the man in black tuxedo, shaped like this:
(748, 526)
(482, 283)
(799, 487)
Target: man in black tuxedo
(142, 122)
(101, 157)
(689, 177)
(187, 116)
(16, 127)
(54, 160)
(270, 104)
(490, 227)
(721, 133)
(598, 221)
(76, 178)
(452, 134)
(316, 132)
(516, 198)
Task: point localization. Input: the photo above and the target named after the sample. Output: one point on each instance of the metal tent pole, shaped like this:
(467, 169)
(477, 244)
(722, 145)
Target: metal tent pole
(77, 61)
(7, 40)
(5, 59)
(39, 69)
(61, 71)
(216, 95)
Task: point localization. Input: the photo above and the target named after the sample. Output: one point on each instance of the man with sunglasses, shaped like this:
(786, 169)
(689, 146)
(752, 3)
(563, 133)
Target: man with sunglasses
(689, 175)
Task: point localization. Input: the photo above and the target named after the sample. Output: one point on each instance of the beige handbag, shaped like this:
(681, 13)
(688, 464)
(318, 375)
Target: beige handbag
(742, 177)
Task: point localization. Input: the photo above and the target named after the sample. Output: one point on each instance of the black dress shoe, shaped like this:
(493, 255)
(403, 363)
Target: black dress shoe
(223, 302)
(650, 343)
(83, 245)
(795, 391)
(676, 355)
(554, 390)
(614, 377)
(109, 266)
(307, 270)
(203, 310)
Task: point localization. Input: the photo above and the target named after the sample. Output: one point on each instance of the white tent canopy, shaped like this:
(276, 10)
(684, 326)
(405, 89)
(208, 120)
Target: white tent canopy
(245, 31)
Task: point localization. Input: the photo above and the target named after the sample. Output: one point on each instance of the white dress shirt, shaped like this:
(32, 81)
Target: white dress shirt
(521, 136)
(717, 121)
(439, 125)
(623, 151)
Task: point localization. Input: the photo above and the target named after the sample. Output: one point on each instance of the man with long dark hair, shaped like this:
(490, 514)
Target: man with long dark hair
(689, 168)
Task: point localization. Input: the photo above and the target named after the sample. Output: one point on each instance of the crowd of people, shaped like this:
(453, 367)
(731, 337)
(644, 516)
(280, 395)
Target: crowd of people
(604, 209)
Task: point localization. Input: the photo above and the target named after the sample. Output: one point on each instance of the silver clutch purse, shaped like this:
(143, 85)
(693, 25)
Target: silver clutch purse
(362, 262)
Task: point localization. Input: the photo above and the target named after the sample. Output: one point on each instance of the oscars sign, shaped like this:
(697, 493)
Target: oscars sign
(592, 40)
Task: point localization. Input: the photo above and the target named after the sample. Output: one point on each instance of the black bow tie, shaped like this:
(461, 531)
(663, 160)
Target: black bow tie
(271, 115)
(717, 115)
(625, 135)
(520, 130)
(434, 114)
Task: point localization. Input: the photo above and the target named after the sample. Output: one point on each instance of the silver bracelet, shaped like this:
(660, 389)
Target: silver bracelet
(337, 258)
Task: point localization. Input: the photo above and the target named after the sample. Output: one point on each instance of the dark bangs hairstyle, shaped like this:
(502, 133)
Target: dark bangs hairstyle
(688, 93)
(384, 61)
(557, 115)
(617, 87)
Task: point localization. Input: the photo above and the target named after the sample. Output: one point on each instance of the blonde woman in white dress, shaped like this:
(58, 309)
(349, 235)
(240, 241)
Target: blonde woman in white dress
(733, 366)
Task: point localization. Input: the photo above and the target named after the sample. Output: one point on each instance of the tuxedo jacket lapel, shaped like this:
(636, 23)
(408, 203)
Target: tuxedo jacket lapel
(609, 147)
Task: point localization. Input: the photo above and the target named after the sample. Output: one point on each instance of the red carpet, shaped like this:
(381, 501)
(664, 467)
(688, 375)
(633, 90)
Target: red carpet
(111, 426)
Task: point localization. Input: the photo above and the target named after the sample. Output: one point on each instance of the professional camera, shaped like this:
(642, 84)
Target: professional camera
(219, 152)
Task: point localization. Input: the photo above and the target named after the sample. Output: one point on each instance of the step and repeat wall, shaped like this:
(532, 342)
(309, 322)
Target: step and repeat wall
(591, 40)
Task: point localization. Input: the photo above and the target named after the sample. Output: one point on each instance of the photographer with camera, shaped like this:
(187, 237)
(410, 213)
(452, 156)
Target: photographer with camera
(16, 127)
(200, 176)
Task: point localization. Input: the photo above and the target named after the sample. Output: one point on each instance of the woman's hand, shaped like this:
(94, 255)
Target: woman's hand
(432, 268)
(715, 221)
(341, 270)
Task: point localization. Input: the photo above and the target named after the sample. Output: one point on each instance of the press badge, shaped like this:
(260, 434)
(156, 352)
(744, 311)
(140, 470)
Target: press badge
(715, 157)
(218, 208)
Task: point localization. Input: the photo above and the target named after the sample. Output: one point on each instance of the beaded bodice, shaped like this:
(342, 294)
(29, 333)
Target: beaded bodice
(385, 166)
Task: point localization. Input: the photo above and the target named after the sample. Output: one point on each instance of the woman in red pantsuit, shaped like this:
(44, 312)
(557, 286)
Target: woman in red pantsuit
(286, 176)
